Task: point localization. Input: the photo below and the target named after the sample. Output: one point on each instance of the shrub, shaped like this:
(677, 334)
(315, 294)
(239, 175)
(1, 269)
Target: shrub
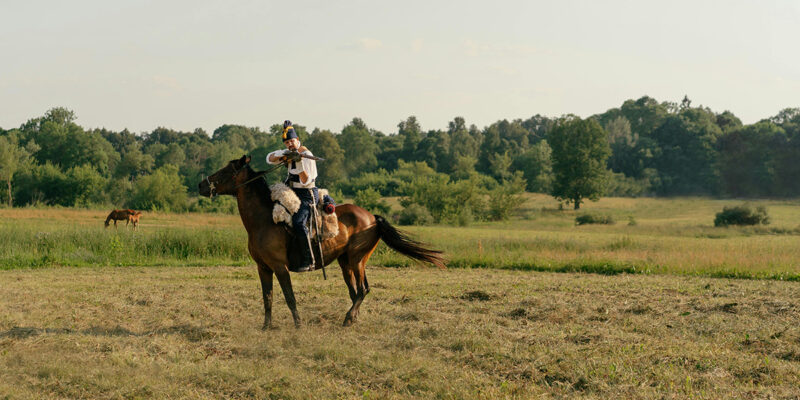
(219, 204)
(162, 190)
(741, 215)
(370, 199)
(415, 214)
(584, 219)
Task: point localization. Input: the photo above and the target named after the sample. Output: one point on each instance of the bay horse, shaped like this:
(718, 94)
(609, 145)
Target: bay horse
(359, 234)
(127, 215)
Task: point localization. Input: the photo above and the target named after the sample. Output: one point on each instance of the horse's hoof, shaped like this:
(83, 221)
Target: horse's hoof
(348, 322)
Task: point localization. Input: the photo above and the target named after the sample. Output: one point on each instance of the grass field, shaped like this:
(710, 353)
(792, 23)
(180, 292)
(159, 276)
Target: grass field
(166, 332)
(174, 310)
(670, 236)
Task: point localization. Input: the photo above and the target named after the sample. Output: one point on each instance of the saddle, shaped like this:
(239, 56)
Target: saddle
(287, 203)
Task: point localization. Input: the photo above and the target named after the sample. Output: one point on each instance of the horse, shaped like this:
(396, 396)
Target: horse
(134, 219)
(359, 234)
(127, 215)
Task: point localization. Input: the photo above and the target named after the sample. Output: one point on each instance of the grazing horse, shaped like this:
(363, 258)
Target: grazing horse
(127, 215)
(359, 234)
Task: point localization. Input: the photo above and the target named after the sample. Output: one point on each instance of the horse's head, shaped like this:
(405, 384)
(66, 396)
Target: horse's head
(225, 180)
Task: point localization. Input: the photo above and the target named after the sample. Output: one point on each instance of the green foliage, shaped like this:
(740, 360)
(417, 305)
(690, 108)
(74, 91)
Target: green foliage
(415, 214)
(593, 218)
(323, 144)
(162, 190)
(370, 200)
(747, 159)
(536, 166)
(655, 148)
(620, 185)
(742, 215)
(579, 152)
(86, 186)
(445, 200)
(13, 158)
(685, 158)
(506, 198)
(360, 149)
(219, 205)
(379, 181)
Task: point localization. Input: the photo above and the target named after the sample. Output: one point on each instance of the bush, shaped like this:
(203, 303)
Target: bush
(370, 199)
(741, 215)
(219, 204)
(584, 219)
(162, 190)
(415, 214)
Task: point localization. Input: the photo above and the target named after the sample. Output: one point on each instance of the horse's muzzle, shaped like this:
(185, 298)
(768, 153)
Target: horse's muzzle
(206, 188)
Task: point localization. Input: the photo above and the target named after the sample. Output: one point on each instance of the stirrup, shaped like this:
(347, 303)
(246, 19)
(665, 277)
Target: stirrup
(309, 267)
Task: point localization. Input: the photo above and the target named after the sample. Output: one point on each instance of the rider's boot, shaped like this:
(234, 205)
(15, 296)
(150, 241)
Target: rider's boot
(304, 247)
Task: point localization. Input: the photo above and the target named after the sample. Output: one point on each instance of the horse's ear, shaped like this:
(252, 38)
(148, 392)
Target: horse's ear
(245, 159)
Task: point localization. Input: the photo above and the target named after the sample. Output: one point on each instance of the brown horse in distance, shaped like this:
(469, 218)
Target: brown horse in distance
(359, 234)
(128, 215)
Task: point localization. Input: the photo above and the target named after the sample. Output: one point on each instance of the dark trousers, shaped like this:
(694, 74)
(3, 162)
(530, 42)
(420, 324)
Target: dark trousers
(299, 221)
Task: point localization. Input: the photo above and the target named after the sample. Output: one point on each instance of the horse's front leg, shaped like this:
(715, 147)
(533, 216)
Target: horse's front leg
(265, 274)
(286, 286)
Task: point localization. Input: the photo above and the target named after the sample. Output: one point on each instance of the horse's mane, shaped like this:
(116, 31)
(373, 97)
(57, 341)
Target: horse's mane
(259, 186)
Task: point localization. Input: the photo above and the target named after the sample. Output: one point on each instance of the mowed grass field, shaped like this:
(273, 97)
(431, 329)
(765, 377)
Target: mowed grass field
(174, 310)
(170, 332)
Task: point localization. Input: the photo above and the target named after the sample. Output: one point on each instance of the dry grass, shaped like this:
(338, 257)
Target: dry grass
(423, 333)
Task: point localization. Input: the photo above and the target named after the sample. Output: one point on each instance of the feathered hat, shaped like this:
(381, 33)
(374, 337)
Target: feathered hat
(288, 131)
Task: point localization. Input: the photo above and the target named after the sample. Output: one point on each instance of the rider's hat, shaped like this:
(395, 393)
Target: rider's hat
(288, 131)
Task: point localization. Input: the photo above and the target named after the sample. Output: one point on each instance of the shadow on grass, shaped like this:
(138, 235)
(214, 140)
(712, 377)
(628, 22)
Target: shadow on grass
(612, 268)
(190, 332)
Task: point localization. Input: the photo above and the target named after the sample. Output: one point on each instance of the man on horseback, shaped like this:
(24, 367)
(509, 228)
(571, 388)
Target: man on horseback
(302, 174)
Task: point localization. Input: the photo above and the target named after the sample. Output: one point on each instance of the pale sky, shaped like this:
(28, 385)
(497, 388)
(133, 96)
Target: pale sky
(189, 64)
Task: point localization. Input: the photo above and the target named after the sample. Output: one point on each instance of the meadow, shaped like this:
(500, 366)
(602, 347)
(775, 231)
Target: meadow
(531, 307)
(651, 236)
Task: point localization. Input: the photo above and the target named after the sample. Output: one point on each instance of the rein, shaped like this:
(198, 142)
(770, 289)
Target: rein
(258, 175)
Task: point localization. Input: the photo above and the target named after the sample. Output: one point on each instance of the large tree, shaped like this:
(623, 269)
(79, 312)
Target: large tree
(13, 157)
(579, 153)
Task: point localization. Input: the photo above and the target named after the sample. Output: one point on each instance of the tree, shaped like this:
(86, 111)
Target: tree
(411, 132)
(323, 144)
(747, 159)
(579, 153)
(536, 167)
(685, 154)
(360, 149)
(162, 190)
(12, 158)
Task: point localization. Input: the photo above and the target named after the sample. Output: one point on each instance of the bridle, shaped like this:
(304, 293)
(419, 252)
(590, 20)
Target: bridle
(213, 189)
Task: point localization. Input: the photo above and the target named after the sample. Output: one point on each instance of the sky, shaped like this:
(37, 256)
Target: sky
(201, 64)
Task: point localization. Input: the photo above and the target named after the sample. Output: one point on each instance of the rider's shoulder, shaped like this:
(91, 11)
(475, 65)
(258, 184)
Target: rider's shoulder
(303, 149)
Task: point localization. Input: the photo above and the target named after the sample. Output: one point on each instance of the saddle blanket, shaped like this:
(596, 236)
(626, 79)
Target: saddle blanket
(287, 203)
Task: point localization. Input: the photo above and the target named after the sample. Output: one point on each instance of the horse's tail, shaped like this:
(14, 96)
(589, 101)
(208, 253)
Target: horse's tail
(403, 244)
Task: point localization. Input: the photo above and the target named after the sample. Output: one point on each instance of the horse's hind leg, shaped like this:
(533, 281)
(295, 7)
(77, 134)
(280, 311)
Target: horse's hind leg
(356, 278)
(286, 286)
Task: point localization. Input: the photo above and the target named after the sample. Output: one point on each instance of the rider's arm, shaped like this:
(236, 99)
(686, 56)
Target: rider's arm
(275, 157)
(309, 169)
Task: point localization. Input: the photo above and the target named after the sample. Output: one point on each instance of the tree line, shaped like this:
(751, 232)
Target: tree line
(642, 148)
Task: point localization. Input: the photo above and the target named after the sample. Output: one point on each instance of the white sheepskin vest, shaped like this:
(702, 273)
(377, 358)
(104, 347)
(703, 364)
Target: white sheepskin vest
(287, 203)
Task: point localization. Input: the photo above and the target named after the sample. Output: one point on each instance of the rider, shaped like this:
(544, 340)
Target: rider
(301, 180)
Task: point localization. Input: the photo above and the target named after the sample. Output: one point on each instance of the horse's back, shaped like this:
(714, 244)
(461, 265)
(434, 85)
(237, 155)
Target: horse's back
(354, 216)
